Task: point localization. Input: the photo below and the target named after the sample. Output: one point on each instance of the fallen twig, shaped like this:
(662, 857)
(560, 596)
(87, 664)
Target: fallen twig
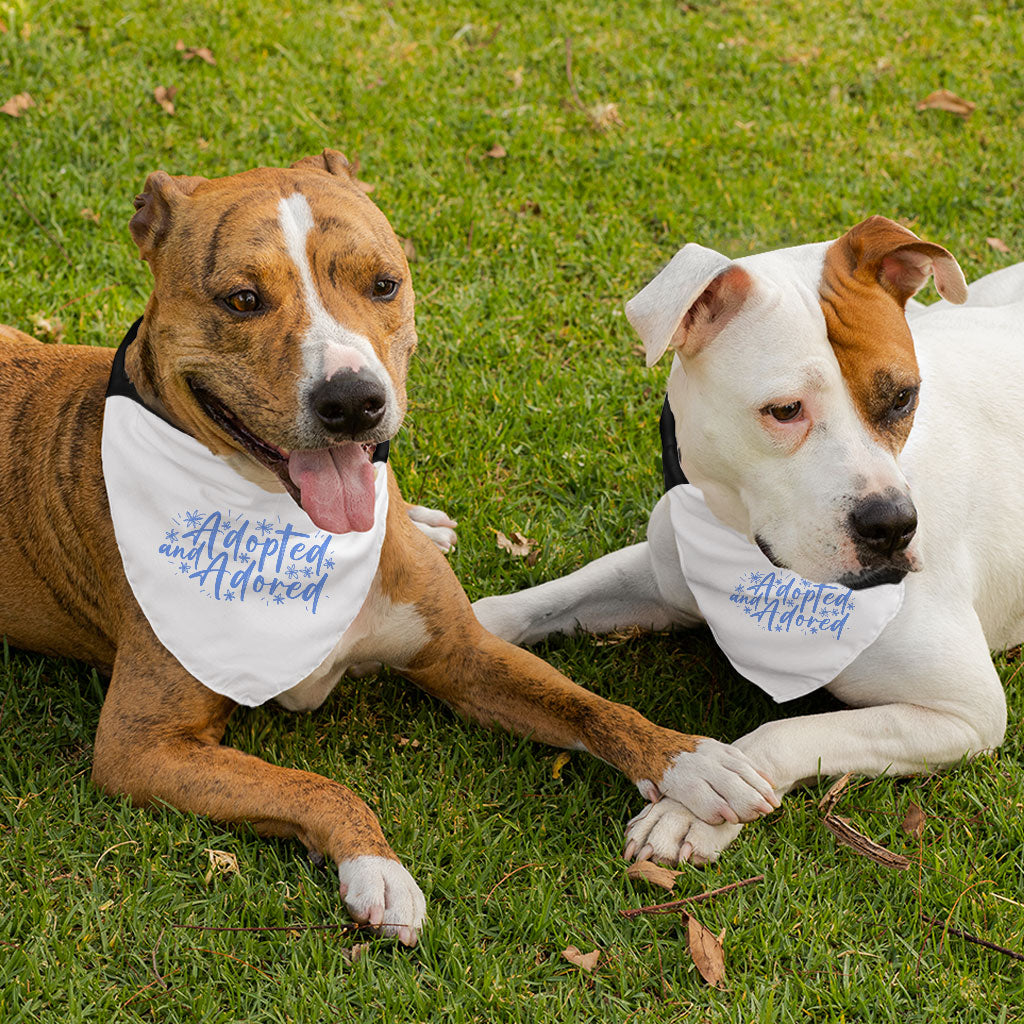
(351, 927)
(35, 220)
(156, 970)
(522, 867)
(239, 960)
(675, 905)
(89, 295)
(568, 74)
(859, 843)
(968, 937)
(835, 791)
(851, 837)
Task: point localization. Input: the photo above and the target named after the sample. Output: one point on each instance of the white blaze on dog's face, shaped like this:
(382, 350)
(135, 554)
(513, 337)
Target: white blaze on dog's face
(794, 388)
(280, 326)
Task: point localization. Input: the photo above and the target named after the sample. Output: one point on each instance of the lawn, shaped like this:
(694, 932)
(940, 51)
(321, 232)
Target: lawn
(543, 160)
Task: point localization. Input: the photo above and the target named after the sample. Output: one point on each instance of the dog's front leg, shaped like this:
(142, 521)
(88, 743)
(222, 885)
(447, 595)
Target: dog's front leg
(490, 680)
(158, 741)
(922, 705)
(641, 585)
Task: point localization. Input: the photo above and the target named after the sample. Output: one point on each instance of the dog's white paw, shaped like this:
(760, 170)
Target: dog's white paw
(379, 892)
(436, 525)
(717, 782)
(670, 833)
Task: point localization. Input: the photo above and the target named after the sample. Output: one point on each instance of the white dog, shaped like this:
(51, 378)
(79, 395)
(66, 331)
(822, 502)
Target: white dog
(825, 542)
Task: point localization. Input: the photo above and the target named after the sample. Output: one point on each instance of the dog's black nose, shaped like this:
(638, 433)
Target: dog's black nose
(349, 403)
(884, 523)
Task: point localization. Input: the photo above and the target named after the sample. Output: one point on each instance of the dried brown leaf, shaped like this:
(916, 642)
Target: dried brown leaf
(164, 95)
(222, 862)
(604, 116)
(409, 249)
(352, 954)
(707, 951)
(50, 329)
(803, 57)
(648, 871)
(998, 244)
(861, 844)
(943, 99)
(202, 52)
(530, 207)
(17, 105)
(497, 152)
(90, 214)
(913, 822)
(517, 545)
(587, 961)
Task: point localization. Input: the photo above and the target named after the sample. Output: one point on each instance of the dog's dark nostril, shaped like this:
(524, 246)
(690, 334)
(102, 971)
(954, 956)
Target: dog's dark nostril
(349, 403)
(885, 524)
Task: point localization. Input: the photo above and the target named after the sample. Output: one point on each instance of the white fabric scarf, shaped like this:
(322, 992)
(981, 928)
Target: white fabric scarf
(780, 631)
(237, 582)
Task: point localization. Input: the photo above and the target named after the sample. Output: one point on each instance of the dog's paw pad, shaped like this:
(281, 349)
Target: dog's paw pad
(379, 892)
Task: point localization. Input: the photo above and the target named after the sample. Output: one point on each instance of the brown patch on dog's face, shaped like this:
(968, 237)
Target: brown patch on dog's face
(214, 245)
(868, 329)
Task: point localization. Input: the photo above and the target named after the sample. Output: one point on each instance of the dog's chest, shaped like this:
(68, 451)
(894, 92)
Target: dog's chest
(383, 632)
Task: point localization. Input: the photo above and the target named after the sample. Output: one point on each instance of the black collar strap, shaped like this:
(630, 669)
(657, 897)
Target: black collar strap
(670, 466)
(119, 384)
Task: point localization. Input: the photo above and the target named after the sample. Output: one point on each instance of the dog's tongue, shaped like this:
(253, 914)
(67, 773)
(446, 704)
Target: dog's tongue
(336, 486)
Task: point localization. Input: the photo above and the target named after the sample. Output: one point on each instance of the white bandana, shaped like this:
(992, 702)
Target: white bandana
(780, 631)
(238, 583)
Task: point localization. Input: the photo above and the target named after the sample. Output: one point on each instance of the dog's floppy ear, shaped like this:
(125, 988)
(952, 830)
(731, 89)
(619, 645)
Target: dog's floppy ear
(330, 160)
(154, 207)
(688, 303)
(882, 250)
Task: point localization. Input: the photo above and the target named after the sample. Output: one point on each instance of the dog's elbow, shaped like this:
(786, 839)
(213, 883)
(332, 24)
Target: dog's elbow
(984, 724)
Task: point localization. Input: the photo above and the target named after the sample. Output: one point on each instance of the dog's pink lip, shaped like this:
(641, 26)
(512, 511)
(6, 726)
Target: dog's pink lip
(268, 455)
(271, 456)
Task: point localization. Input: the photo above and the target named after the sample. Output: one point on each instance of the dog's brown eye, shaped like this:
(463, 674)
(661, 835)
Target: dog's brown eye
(244, 301)
(904, 400)
(785, 413)
(385, 288)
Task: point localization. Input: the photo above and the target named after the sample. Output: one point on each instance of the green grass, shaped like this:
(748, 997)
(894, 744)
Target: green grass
(746, 125)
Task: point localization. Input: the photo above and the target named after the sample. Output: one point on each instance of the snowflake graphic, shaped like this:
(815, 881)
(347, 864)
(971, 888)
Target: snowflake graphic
(193, 519)
(307, 572)
(278, 599)
(183, 568)
(812, 630)
(755, 579)
(264, 527)
(329, 563)
(293, 573)
(778, 629)
(229, 596)
(171, 535)
(243, 557)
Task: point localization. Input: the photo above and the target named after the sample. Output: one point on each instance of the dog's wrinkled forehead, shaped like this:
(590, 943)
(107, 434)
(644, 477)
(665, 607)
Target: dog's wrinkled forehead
(216, 222)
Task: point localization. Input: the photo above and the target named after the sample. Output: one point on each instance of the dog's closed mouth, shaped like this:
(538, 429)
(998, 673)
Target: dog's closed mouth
(875, 577)
(334, 486)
